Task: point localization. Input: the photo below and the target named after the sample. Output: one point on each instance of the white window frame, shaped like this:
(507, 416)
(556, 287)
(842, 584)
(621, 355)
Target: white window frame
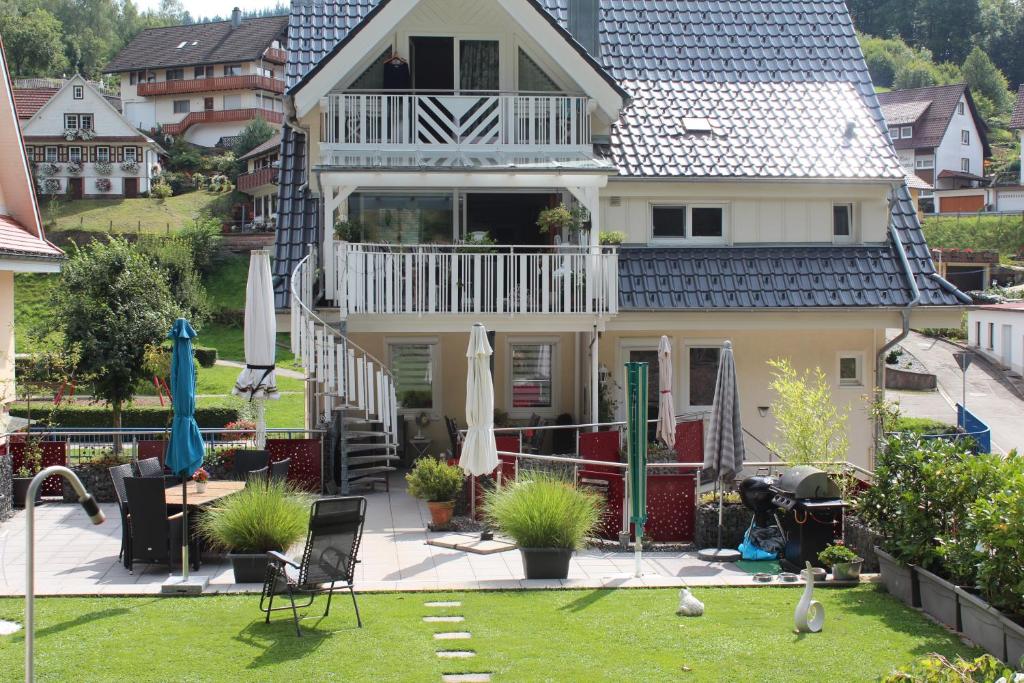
(74, 151)
(188, 106)
(556, 370)
(906, 132)
(965, 164)
(436, 376)
(960, 108)
(50, 154)
(82, 118)
(965, 137)
(688, 227)
(856, 382)
(924, 164)
(684, 374)
(232, 67)
(853, 224)
(71, 121)
(106, 151)
(78, 92)
(128, 154)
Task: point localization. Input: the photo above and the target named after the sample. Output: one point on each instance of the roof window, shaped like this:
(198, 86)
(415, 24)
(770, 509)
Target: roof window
(182, 44)
(697, 124)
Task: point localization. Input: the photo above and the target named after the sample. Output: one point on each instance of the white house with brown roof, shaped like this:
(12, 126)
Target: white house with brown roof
(81, 146)
(204, 81)
(940, 137)
(1017, 124)
(23, 244)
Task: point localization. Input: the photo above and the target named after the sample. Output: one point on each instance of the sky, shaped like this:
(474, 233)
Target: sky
(209, 8)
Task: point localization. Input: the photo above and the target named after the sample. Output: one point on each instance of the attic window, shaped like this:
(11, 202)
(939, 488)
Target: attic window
(182, 44)
(697, 124)
(906, 132)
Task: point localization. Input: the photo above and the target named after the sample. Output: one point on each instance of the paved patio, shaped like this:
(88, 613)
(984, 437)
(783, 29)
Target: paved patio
(74, 557)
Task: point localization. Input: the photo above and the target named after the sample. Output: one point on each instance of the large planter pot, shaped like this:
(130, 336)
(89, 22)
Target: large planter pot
(441, 513)
(898, 578)
(1014, 632)
(546, 563)
(981, 623)
(249, 567)
(938, 598)
(19, 491)
(847, 571)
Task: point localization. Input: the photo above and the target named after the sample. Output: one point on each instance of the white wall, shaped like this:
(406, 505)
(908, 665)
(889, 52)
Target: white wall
(49, 120)
(951, 150)
(996, 349)
(1009, 199)
(208, 134)
(756, 212)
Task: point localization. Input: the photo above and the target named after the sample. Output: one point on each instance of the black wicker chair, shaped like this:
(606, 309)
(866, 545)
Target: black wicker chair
(155, 535)
(328, 560)
(453, 434)
(262, 475)
(118, 474)
(279, 469)
(149, 467)
(248, 460)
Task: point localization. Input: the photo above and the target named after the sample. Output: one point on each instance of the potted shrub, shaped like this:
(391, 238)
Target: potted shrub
(845, 563)
(437, 483)
(31, 465)
(547, 517)
(560, 219)
(261, 517)
(200, 477)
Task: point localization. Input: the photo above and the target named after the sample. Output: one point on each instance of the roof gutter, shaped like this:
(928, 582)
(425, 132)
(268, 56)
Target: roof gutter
(904, 314)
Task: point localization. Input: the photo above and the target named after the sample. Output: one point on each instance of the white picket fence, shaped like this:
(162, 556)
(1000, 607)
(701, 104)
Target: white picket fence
(477, 121)
(467, 279)
(345, 376)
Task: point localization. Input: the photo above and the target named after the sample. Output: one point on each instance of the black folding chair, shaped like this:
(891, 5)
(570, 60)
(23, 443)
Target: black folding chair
(328, 560)
(279, 469)
(453, 434)
(155, 535)
(118, 474)
(249, 460)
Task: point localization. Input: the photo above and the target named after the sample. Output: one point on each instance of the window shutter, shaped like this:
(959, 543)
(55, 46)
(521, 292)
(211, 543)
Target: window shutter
(413, 375)
(92, 154)
(62, 153)
(138, 155)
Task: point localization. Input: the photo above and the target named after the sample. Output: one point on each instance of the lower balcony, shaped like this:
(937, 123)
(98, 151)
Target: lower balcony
(247, 182)
(222, 116)
(472, 279)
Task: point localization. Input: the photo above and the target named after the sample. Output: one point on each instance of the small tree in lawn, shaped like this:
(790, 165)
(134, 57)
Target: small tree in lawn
(112, 302)
(809, 426)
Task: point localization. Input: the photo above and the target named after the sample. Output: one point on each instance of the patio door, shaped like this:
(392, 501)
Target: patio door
(433, 63)
(509, 218)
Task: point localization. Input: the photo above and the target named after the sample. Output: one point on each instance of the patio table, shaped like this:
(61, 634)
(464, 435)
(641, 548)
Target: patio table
(215, 490)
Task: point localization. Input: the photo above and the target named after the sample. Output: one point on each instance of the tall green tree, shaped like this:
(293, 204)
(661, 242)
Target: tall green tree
(985, 78)
(255, 133)
(111, 303)
(34, 42)
(946, 28)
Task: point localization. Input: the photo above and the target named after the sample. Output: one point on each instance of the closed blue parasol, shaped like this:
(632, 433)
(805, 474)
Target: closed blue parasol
(186, 447)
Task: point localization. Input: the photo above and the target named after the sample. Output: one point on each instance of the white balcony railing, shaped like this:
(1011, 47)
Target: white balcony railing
(478, 122)
(499, 280)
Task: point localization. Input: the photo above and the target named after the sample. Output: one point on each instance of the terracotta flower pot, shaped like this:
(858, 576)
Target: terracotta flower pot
(441, 513)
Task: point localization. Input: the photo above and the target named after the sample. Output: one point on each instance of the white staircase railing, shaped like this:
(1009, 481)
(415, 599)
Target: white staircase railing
(342, 375)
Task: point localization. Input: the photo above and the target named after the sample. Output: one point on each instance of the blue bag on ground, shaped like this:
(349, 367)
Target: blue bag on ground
(750, 551)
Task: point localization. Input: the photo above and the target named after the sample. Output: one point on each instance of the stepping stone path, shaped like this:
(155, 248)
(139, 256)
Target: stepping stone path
(454, 635)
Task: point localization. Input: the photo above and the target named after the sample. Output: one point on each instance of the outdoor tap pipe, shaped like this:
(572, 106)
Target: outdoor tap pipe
(88, 503)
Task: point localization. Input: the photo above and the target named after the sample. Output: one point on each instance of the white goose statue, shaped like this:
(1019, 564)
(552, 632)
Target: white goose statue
(810, 614)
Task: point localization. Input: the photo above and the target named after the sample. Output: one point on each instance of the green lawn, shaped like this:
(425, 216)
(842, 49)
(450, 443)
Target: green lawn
(128, 215)
(600, 635)
(1004, 234)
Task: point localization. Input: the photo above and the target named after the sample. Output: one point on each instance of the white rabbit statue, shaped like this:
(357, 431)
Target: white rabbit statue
(689, 606)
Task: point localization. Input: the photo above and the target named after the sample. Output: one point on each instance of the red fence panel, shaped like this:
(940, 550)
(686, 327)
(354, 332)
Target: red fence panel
(54, 453)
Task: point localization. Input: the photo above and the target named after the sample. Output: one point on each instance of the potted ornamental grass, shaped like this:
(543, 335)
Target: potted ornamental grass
(844, 563)
(264, 516)
(548, 518)
(437, 483)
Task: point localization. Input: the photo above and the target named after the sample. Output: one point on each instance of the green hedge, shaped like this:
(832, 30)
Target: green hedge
(205, 356)
(135, 416)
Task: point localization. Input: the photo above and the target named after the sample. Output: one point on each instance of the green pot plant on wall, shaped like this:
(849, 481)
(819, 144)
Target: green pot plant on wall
(264, 516)
(548, 518)
(844, 563)
(438, 483)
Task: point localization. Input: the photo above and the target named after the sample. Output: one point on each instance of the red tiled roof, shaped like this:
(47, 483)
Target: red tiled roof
(15, 240)
(963, 175)
(1007, 306)
(30, 100)
(1017, 120)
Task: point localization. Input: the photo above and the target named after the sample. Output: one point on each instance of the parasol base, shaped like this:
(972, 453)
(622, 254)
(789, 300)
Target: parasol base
(195, 584)
(719, 555)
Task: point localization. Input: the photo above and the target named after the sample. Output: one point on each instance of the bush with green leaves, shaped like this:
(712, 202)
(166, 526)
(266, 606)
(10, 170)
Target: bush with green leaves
(809, 426)
(203, 240)
(612, 237)
(160, 191)
(255, 133)
(176, 260)
(76, 415)
(837, 553)
(935, 668)
(997, 520)
(542, 511)
(434, 480)
(269, 515)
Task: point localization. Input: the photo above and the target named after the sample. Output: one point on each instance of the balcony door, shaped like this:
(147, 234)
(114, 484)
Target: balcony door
(444, 63)
(509, 218)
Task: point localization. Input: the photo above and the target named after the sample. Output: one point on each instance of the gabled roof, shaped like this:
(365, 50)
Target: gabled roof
(204, 43)
(1017, 119)
(21, 230)
(938, 104)
(29, 100)
(270, 145)
(905, 113)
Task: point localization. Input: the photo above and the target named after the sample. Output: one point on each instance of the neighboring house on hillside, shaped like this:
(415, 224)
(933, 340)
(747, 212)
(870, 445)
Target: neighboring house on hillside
(204, 81)
(1012, 198)
(259, 181)
(23, 244)
(750, 174)
(997, 332)
(32, 93)
(940, 137)
(82, 146)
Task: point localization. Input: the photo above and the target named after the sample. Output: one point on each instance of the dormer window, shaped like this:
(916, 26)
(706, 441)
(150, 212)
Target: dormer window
(906, 132)
(78, 92)
(182, 44)
(960, 108)
(705, 223)
(842, 222)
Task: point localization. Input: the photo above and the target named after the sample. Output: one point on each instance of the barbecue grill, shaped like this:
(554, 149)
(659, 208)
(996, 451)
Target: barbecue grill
(813, 514)
(757, 494)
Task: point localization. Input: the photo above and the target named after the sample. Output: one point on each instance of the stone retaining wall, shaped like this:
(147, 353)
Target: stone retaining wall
(6, 486)
(735, 520)
(912, 381)
(862, 540)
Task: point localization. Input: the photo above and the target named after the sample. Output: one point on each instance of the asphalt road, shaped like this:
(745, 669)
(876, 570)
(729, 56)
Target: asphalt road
(989, 395)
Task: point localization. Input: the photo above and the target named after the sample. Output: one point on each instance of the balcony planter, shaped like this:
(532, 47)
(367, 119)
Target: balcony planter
(898, 578)
(248, 567)
(19, 491)
(982, 623)
(938, 598)
(546, 563)
(1013, 629)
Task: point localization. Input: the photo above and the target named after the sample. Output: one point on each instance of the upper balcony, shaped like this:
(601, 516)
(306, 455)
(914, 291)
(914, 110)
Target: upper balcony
(198, 85)
(275, 55)
(486, 122)
(222, 116)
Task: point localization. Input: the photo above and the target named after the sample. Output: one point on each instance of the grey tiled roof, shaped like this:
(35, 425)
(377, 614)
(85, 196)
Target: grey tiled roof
(298, 214)
(748, 57)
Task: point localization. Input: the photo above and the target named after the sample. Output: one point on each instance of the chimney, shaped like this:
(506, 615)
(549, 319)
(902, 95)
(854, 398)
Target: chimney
(584, 16)
(236, 18)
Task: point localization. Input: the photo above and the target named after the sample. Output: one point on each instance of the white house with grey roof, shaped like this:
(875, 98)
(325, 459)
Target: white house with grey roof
(737, 146)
